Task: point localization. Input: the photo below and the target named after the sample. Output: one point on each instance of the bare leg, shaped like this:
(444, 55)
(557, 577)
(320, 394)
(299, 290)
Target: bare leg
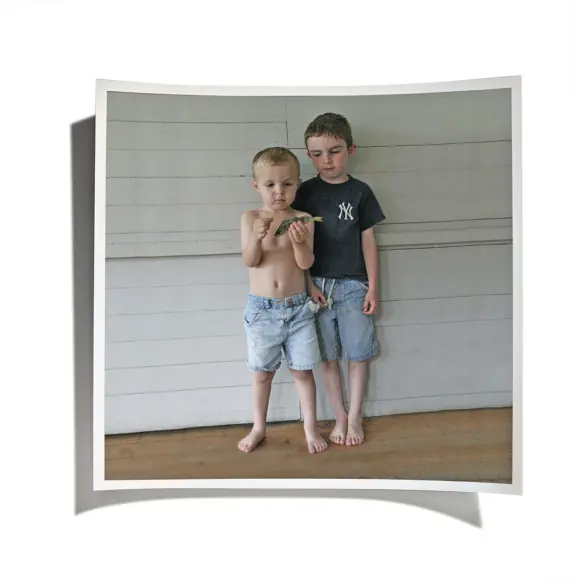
(332, 378)
(305, 385)
(357, 382)
(262, 384)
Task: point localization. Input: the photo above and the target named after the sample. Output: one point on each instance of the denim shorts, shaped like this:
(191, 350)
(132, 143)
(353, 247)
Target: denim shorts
(344, 327)
(276, 325)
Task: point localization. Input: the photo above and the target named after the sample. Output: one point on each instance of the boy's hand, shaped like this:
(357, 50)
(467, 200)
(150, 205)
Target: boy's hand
(370, 302)
(261, 226)
(317, 295)
(298, 233)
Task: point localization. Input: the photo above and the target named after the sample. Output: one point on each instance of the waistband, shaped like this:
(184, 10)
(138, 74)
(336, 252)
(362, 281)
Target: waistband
(263, 302)
(337, 280)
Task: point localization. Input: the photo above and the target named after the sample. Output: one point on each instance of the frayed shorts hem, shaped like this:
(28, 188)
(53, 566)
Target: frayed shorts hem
(361, 358)
(262, 369)
(368, 355)
(304, 367)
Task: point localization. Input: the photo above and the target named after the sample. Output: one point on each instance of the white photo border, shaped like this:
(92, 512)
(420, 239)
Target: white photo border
(102, 89)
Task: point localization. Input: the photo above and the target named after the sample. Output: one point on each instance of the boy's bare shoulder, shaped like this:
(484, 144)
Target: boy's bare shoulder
(301, 214)
(250, 214)
(255, 213)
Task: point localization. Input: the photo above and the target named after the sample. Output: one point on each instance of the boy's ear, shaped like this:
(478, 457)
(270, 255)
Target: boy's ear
(307, 153)
(352, 149)
(254, 183)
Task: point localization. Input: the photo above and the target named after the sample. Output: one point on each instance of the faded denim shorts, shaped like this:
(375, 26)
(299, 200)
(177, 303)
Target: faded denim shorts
(281, 325)
(344, 327)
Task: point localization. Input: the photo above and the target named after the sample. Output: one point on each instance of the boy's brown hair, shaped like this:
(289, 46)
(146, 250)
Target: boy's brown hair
(274, 156)
(330, 125)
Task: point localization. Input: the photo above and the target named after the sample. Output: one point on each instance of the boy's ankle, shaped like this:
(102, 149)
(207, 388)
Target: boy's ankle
(355, 415)
(310, 426)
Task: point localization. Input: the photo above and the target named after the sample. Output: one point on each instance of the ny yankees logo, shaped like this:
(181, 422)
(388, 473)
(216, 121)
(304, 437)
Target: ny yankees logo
(345, 209)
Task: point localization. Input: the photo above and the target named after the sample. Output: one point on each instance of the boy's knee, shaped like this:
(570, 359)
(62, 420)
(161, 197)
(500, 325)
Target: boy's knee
(303, 376)
(264, 378)
(330, 366)
(357, 364)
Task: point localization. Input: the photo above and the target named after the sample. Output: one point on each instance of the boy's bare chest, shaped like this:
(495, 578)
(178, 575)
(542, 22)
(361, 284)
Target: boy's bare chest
(277, 244)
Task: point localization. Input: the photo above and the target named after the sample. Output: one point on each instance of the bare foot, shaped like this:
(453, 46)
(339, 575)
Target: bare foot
(251, 441)
(339, 431)
(354, 432)
(315, 442)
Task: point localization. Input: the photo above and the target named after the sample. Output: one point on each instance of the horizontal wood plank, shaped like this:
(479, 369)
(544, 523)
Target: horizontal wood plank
(175, 298)
(198, 298)
(405, 274)
(123, 106)
(459, 184)
(184, 377)
(151, 353)
(172, 164)
(444, 272)
(198, 218)
(453, 117)
(229, 322)
(193, 136)
(458, 194)
(185, 190)
(151, 244)
(228, 242)
(175, 271)
(212, 349)
(421, 158)
(438, 403)
(198, 408)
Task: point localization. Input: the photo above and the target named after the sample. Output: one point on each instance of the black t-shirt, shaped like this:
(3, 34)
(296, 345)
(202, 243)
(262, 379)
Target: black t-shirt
(347, 209)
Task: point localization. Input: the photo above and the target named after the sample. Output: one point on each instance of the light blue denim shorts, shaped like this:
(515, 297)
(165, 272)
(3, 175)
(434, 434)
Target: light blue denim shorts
(281, 325)
(344, 327)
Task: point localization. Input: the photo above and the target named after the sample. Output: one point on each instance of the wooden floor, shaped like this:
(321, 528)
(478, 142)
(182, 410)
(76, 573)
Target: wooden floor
(448, 446)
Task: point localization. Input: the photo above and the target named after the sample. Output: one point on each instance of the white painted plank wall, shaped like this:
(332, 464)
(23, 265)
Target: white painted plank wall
(429, 158)
(178, 180)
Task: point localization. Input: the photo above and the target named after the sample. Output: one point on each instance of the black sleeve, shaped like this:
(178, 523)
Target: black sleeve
(300, 201)
(370, 213)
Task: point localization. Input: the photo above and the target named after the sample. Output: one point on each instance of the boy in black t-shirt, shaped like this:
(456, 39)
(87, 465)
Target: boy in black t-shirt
(344, 278)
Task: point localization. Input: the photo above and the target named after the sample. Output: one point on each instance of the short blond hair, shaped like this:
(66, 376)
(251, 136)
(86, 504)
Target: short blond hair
(274, 156)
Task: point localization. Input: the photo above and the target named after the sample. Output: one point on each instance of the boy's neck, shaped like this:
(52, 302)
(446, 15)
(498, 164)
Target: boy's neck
(342, 179)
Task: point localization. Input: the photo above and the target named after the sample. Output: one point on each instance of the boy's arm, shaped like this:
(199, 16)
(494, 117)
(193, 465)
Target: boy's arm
(251, 245)
(370, 214)
(370, 254)
(315, 293)
(308, 281)
(303, 250)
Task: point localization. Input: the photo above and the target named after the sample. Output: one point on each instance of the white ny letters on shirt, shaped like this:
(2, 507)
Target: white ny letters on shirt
(345, 210)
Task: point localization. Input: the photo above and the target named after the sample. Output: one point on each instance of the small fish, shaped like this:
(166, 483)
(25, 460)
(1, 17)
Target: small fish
(284, 226)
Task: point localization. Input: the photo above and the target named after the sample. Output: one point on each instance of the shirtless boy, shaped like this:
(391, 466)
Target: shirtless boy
(279, 315)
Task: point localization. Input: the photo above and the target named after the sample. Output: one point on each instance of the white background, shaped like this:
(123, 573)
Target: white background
(52, 52)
